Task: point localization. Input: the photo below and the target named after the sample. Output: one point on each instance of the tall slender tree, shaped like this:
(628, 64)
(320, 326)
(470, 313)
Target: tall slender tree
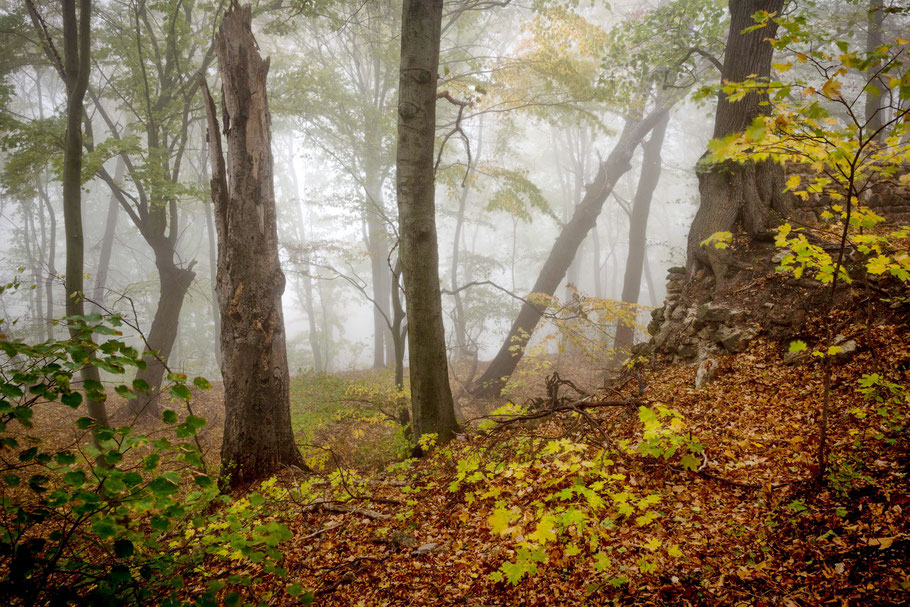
(431, 395)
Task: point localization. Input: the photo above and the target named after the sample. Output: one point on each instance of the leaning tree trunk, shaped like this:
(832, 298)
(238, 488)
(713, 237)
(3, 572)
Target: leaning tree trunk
(258, 439)
(638, 228)
(563, 252)
(734, 193)
(173, 284)
(431, 395)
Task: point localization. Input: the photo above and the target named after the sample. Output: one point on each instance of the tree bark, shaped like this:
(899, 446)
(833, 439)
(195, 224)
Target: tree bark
(874, 39)
(651, 165)
(77, 61)
(51, 260)
(563, 252)
(173, 284)
(735, 194)
(258, 439)
(431, 395)
(107, 243)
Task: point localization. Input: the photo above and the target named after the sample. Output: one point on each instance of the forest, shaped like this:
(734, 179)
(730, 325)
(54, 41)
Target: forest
(455, 302)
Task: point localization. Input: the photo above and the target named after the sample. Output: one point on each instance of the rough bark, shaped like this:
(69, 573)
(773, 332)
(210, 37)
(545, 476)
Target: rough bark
(258, 439)
(735, 194)
(77, 62)
(431, 395)
(651, 165)
(564, 251)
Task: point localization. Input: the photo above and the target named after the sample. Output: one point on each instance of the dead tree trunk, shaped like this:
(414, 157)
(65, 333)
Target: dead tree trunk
(431, 395)
(563, 252)
(732, 193)
(638, 227)
(258, 439)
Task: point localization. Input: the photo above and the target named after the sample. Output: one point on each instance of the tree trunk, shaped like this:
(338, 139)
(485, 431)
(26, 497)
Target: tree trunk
(107, 243)
(173, 284)
(638, 228)
(431, 395)
(873, 109)
(563, 252)
(77, 49)
(377, 247)
(258, 439)
(732, 193)
(51, 260)
(213, 269)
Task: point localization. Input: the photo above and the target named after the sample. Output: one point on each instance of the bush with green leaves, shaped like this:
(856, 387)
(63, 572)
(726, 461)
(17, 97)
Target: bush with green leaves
(124, 518)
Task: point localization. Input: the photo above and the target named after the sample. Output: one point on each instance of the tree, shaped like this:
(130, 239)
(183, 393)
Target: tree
(257, 431)
(739, 193)
(74, 70)
(564, 250)
(431, 395)
(638, 226)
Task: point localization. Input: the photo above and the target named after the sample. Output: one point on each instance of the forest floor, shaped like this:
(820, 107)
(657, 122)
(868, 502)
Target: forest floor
(567, 508)
(655, 493)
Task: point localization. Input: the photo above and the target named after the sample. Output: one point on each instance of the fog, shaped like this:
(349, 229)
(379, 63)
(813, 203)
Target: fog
(535, 132)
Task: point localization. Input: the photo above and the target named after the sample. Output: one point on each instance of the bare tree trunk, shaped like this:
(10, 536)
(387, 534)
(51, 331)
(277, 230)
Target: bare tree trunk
(107, 243)
(213, 270)
(431, 395)
(595, 262)
(77, 61)
(874, 109)
(638, 228)
(733, 193)
(51, 260)
(652, 290)
(173, 284)
(563, 252)
(258, 439)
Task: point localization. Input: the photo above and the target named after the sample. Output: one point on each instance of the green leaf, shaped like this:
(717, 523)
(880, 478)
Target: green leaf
(169, 416)
(202, 383)
(124, 548)
(71, 399)
(181, 391)
(163, 486)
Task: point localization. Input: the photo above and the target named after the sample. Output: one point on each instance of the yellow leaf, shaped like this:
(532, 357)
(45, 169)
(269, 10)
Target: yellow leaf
(674, 551)
(544, 531)
(831, 89)
(793, 181)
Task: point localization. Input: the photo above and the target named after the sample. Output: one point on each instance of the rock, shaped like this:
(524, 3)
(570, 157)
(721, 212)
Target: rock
(425, 548)
(402, 539)
(678, 313)
(779, 256)
(662, 335)
(797, 358)
(847, 349)
(687, 351)
(705, 373)
(677, 270)
(645, 349)
(735, 339)
(713, 313)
